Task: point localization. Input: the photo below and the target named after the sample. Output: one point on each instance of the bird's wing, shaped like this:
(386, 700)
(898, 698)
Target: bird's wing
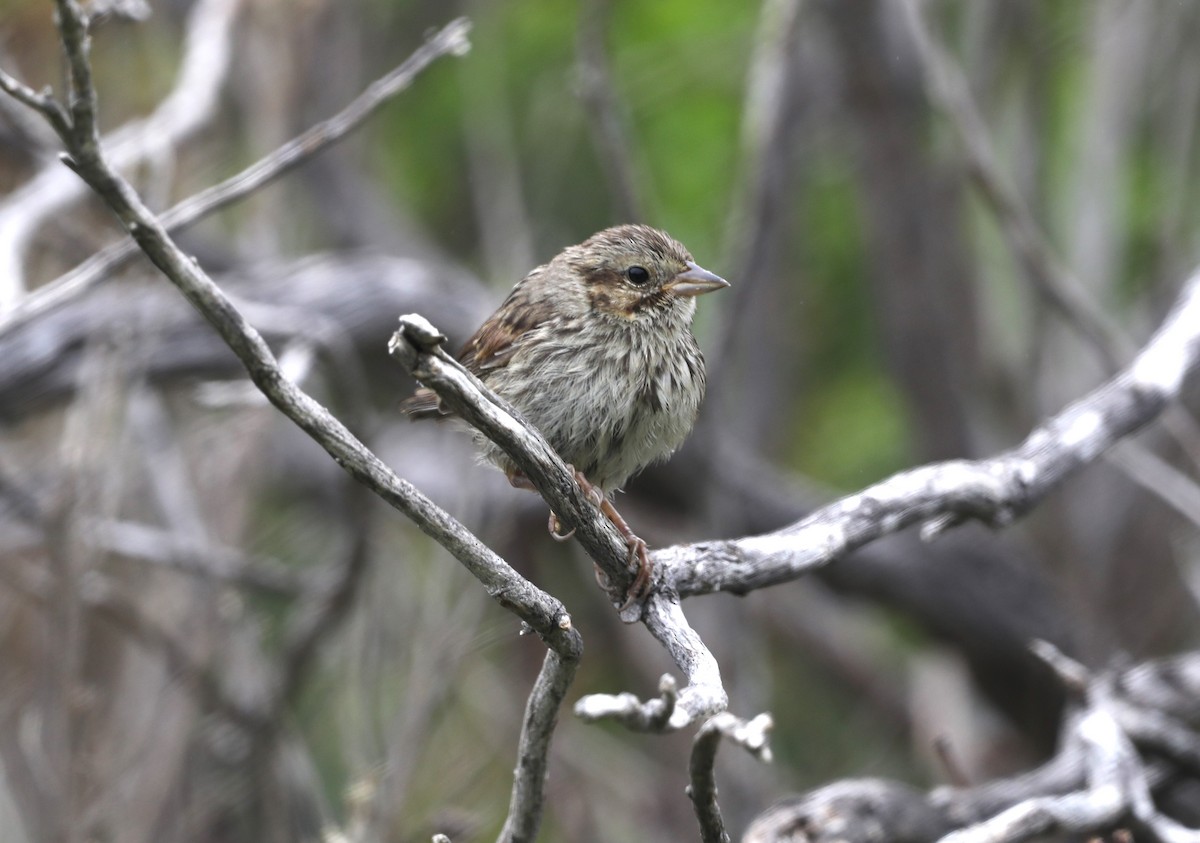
(494, 343)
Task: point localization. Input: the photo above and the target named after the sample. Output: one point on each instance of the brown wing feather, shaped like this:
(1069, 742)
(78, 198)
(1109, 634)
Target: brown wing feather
(494, 343)
(496, 340)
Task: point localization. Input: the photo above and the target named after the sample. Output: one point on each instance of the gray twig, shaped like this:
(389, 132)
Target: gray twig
(940, 495)
(190, 105)
(42, 101)
(539, 610)
(750, 735)
(449, 40)
(541, 716)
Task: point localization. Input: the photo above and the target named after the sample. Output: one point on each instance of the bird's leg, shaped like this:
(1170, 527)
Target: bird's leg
(636, 545)
(518, 480)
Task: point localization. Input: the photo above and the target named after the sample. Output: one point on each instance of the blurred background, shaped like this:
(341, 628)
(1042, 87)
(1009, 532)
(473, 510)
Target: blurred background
(208, 634)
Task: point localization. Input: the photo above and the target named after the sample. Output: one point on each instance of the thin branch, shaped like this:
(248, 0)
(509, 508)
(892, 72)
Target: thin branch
(704, 694)
(451, 40)
(996, 490)
(72, 28)
(541, 716)
(1073, 675)
(190, 105)
(42, 102)
(541, 611)
(751, 736)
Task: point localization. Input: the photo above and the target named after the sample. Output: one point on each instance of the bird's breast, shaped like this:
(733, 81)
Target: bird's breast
(609, 399)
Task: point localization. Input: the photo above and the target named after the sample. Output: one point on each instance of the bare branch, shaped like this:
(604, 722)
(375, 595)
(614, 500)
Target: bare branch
(541, 716)
(1096, 783)
(1071, 673)
(42, 102)
(996, 490)
(1091, 811)
(704, 695)
(188, 108)
(450, 40)
(504, 584)
(751, 736)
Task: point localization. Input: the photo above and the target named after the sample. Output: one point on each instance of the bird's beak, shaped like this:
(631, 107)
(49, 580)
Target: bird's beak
(695, 281)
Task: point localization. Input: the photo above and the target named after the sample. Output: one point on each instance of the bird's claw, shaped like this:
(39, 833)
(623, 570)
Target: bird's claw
(638, 552)
(641, 580)
(555, 527)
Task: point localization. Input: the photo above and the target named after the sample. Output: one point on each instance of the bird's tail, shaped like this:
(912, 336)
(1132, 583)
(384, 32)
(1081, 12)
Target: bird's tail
(423, 404)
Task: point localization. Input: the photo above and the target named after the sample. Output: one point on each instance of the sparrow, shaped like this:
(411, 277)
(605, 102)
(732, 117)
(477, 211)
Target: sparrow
(596, 350)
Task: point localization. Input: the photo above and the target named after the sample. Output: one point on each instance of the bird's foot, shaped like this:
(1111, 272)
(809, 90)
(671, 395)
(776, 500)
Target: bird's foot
(518, 480)
(555, 528)
(641, 581)
(638, 551)
(638, 554)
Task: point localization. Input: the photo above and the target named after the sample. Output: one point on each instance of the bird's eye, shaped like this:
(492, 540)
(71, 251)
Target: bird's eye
(637, 275)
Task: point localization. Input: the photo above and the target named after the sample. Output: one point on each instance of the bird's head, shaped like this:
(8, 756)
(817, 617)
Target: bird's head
(635, 272)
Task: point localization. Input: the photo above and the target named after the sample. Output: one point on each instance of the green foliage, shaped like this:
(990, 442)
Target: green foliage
(853, 431)
(850, 425)
(679, 73)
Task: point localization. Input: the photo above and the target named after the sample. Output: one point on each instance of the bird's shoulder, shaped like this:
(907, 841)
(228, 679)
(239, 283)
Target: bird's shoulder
(537, 299)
